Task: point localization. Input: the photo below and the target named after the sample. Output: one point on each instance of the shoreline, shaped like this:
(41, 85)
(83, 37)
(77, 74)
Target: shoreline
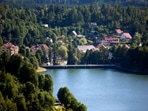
(78, 66)
(118, 67)
(44, 68)
(41, 69)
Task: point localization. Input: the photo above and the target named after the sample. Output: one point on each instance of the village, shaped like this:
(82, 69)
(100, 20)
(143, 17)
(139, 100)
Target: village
(119, 38)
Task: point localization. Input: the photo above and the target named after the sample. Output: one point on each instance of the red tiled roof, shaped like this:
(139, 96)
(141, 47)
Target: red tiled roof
(111, 39)
(119, 31)
(9, 45)
(34, 48)
(127, 35)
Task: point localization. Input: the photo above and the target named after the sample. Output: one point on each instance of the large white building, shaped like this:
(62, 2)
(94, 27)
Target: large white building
(84, 48)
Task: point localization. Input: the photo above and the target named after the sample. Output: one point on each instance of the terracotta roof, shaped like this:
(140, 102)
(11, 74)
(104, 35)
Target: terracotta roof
(127, 35)
(9, 45)
(34, 48)
(119, 31)
(111, 39)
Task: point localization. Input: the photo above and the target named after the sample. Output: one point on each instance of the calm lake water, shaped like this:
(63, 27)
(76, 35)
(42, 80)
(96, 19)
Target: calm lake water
(104, 89)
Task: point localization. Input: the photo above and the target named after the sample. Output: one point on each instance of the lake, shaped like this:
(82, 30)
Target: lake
(104, 89)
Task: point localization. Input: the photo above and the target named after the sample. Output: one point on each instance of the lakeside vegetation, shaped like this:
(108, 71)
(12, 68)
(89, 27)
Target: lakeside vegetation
(22, 88)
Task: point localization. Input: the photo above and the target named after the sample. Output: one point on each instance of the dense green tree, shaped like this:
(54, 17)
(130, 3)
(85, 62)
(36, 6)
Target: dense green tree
(84, 59)
(96, 57)
(28, 73)
(45, 83)
(4, 58)
(10, 105)
(11, 89)
(28, 3)
(2, 103)
(34, 61)
(137, 39)
(14, 69)
(21, 91)
(46, 100)
(69, 101)
(62, 51)
(30, 88)
(81, 107)
(118, 53)
(83, 41)
(40, 54)
(48, 83)
(21, 104)
(135, 59)
(22, 50)
(25, 26)
(145, 38)
(71, 57)
(1, 41)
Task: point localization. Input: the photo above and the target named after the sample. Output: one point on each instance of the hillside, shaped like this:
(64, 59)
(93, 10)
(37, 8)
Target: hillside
(143, 3)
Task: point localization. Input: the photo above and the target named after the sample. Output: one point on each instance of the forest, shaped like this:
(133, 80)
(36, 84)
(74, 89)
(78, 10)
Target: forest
(32, 3)
(23, 89)
(25, 27)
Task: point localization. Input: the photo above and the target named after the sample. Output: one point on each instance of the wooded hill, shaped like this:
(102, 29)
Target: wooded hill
(142, 3)
(25, 26)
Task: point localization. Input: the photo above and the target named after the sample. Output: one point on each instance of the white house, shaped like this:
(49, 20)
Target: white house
(45, 25)
(125, 36)
(84, 48)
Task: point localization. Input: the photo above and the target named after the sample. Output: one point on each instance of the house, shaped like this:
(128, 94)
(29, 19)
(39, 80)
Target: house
(45, 25)
(84, 48)
(124, 45)
(46, 49)
(125, 36)
(119, 31)
(101, 46)
(111, 39)
(35, 48)
(93, 23)
(93, 33)
(77, 35)
(108, 40)
(9, 49)
(60, 38)
(49, 39)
